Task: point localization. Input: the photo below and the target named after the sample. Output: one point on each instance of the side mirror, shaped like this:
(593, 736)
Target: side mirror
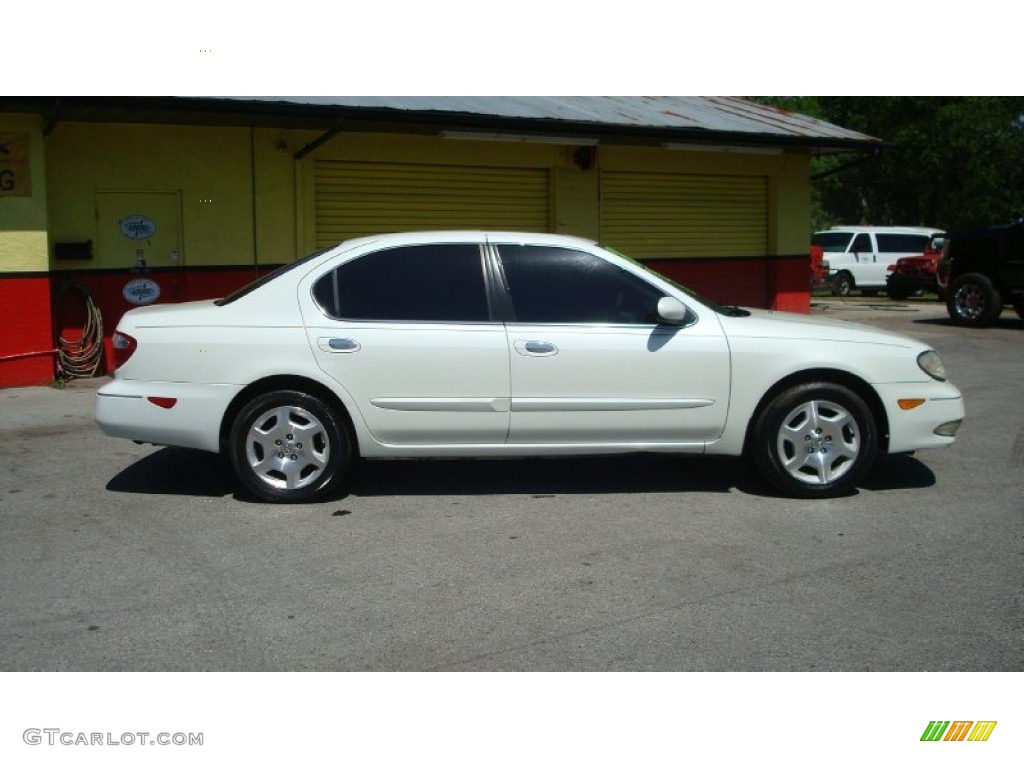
(671, 311)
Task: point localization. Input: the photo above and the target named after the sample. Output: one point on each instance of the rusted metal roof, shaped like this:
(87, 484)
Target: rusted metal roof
(708, 120)
(689, 114)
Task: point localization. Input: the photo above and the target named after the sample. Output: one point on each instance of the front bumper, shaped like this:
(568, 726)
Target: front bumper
(915, 429)
(124, 409)
(911, 283)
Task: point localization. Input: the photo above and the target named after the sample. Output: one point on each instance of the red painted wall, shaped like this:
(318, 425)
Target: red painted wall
(791, 284)
(780, 282)
(25, 328)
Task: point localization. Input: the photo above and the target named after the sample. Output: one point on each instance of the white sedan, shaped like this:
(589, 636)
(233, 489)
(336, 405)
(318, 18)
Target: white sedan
(509, 344)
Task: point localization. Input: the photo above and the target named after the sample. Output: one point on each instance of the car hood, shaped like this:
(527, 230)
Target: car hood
(765, 323)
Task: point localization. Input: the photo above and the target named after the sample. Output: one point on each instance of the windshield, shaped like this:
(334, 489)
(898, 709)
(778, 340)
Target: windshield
(245, 290)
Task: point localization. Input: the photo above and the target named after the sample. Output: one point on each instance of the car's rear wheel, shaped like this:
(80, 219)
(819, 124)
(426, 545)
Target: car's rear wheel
(289, 446)
(842, 284)
(814, 440)
(973, 300)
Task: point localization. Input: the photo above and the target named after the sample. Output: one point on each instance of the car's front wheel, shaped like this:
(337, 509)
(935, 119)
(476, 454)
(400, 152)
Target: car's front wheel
(974, 301)
(814, 440)
(289, 446)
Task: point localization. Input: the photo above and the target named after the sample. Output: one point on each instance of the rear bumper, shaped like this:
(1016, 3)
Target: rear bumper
(124, 409)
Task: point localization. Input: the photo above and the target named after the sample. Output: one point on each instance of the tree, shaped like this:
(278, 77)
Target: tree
(948, 162)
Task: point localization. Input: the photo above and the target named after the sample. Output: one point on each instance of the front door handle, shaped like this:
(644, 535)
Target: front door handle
(536, 348)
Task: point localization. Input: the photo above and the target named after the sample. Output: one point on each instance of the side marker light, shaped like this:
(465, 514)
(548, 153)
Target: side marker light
(910, 403)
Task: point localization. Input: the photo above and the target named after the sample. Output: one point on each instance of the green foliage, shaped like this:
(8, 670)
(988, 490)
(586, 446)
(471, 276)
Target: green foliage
(947, 162)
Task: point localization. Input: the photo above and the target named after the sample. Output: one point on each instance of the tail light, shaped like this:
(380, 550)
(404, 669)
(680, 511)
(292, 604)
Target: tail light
(124, 347)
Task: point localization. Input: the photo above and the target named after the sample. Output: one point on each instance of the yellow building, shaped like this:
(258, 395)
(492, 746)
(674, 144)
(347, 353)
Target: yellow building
(107, 203)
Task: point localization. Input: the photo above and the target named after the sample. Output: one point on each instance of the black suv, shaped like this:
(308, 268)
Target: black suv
(981, 270)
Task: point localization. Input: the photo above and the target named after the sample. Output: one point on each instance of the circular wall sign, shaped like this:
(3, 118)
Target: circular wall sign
(138, 227)
(141, 291)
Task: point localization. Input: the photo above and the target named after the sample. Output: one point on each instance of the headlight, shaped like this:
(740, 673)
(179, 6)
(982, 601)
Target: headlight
(931, 363)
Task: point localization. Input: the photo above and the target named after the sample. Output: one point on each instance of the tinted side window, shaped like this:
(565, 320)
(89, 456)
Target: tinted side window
(902, 243)
(442, 283)
(560, 285)
(862, 243)
(832, 242)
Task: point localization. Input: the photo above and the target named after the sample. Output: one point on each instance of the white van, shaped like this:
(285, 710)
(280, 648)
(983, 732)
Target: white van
(859, 257)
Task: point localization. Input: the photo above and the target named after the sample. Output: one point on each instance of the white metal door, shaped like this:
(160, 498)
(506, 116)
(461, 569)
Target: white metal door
(421, 385)
(618, 385)
(590, 363)
(407, 332)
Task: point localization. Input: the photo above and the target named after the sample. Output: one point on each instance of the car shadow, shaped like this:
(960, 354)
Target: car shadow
(901, 471)
(635, 473)
(1005, 321)
(177, 472)
(184, 472)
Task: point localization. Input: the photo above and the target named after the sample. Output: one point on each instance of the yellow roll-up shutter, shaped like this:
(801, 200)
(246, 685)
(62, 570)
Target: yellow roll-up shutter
(664, 216)
(354, 199)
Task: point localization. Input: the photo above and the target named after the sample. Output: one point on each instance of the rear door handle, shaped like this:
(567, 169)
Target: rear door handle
(328, 344)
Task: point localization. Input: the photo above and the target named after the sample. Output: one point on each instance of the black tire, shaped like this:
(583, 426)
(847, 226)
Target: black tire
(815, 440)
(842, 284)
(973, 301)
(313, 447)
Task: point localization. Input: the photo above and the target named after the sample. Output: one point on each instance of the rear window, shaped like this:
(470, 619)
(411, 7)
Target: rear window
(902, 243)
(425, 283)
(832, 242)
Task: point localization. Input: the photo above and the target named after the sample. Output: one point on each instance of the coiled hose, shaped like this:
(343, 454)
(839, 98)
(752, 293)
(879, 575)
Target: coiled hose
(80, 358)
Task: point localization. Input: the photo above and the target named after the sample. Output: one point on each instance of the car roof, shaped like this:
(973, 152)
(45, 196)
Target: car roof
(887, 229)
(464, 236)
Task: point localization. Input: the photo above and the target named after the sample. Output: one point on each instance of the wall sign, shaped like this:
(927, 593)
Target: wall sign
(15, 165)
(141, 291)
(137, 227)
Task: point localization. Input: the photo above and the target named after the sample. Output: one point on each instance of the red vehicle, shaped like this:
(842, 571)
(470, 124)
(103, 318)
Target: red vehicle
(916, 274)
(818, 269)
